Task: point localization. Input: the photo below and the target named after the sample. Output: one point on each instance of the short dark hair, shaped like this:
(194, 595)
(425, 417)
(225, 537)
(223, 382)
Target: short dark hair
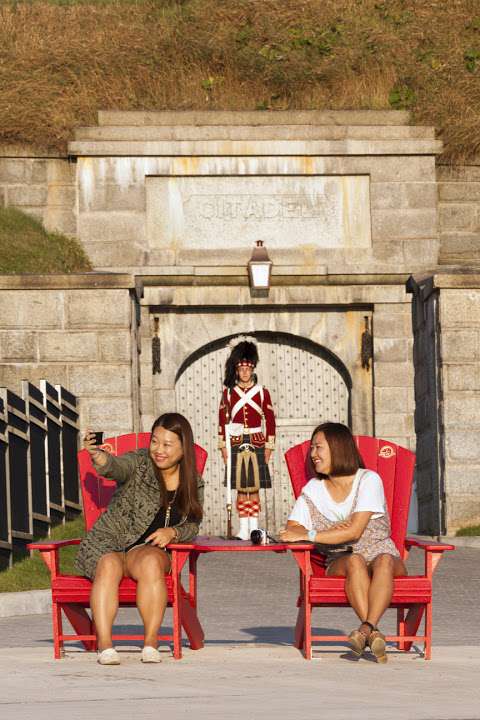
(345, 458)
(187, 490)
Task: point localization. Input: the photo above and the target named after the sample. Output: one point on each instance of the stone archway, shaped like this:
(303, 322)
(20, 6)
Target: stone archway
(308, 383)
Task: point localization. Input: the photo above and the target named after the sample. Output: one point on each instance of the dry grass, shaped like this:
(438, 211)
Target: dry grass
(26, 247)
(62, 61)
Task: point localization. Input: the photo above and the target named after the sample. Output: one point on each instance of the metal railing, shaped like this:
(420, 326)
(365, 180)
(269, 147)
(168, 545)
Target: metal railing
(38, 465)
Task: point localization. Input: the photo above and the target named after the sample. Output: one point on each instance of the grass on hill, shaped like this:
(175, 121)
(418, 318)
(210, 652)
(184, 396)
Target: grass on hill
(61, 61)
(468, 531)
(31, 573)
(26, 247)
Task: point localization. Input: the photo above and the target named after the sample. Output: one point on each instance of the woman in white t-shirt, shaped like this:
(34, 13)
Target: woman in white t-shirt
(344, 507)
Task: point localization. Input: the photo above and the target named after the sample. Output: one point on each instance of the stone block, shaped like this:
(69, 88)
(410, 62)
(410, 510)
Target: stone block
(31, 309)
(404, 224)
(391, 349)
(389, 253)
(396, 195)
(419, 254)
(3, 197)
(114, 198)
(463, 377)
(12, 374)
(392, 326)
(394, 374)
(462, 479)
(462, 411)
(395, 168)
(56, 219)
(460, 307)
(164, 401)
(460, 345)
(61, 196)
(461, 216)
(61, 172)
(113, 227)
(98, 308)
(115, 346)
(461, 248)
(71, 346)
(459, 191)
(462, 511)
(12, 170)
(146, 402)
(393, 424)
(27, 195)
(114, 255)
(38, 171)
(18, 345)
(95, 380)
(112, 415)
(391, 400)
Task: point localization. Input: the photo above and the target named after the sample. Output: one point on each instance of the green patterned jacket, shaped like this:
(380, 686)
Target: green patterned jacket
(132, 508)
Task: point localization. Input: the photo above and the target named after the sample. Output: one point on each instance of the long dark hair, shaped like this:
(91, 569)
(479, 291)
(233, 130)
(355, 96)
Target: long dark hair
(345, 458)
(187, 493)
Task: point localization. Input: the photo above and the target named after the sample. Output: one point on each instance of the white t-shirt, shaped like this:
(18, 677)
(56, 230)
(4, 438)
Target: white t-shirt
(371, 498)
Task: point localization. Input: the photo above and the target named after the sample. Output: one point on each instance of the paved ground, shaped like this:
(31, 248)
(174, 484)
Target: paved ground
(249, 669)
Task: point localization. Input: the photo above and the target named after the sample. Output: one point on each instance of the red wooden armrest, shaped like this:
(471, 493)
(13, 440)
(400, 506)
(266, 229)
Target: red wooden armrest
(433, 552)
(53, 544)
(427, 545)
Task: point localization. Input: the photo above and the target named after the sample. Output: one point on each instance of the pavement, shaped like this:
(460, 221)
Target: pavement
(249, 669)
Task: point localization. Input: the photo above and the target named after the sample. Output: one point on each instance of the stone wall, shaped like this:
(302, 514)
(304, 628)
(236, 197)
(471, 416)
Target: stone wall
(459, 213)
(447, 383)
(459, 315)
(40, 185)
(78, 331)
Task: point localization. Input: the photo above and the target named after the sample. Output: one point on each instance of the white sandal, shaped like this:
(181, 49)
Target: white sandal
(109, 656)
(150, 655)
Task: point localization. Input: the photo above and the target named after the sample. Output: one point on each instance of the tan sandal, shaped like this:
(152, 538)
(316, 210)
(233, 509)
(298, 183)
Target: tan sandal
(377, 645)
(358, 641)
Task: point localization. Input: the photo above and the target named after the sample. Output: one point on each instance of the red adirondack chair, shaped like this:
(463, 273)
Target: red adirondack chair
(71, 593)
(412, 594)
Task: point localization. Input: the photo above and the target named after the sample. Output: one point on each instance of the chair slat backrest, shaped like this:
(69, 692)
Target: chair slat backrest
(393, 463)
(97, 490)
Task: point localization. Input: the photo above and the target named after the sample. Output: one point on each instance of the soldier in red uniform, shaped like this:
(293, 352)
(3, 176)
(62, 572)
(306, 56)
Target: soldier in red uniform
(243, 406)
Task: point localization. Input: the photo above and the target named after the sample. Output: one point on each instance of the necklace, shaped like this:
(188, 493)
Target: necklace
(169, 508)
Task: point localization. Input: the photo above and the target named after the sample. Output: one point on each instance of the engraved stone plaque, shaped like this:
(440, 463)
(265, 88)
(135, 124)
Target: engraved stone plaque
(217, 212)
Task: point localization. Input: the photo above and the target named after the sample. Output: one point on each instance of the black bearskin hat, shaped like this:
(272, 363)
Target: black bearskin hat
(242, 349)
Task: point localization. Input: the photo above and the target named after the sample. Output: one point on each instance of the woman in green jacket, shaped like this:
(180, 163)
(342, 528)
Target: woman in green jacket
(158, 501)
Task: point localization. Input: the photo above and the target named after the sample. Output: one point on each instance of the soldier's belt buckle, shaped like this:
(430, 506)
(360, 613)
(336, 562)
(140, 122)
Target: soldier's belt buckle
(245, 447)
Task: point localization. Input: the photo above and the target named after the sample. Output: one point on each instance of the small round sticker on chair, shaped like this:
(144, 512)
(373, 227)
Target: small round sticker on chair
(386, 451)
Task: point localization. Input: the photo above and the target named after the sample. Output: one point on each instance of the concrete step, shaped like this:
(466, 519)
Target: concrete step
(256, 132)
(255, 117)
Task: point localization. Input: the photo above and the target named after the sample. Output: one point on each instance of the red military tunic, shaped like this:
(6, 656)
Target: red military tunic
(248, 408)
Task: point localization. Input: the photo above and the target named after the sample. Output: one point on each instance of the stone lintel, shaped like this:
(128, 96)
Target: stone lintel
(126, 133)
(199, 148)
(274, 117)
(281, 276)
(457, 278)
(75, 281)
(31, 152)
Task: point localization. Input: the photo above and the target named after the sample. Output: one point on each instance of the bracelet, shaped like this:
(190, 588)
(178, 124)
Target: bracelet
(175, 537)
(312, 534)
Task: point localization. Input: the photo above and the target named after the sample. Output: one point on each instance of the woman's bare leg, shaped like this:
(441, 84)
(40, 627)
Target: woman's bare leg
(383, 569)
(104, 596)
(148, 566)
(357, 581)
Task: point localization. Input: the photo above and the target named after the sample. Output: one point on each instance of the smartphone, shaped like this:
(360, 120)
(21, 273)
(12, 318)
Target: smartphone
(98, 438)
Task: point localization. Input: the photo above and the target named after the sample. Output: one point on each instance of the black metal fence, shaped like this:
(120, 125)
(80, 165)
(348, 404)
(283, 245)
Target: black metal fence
(38, 465)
